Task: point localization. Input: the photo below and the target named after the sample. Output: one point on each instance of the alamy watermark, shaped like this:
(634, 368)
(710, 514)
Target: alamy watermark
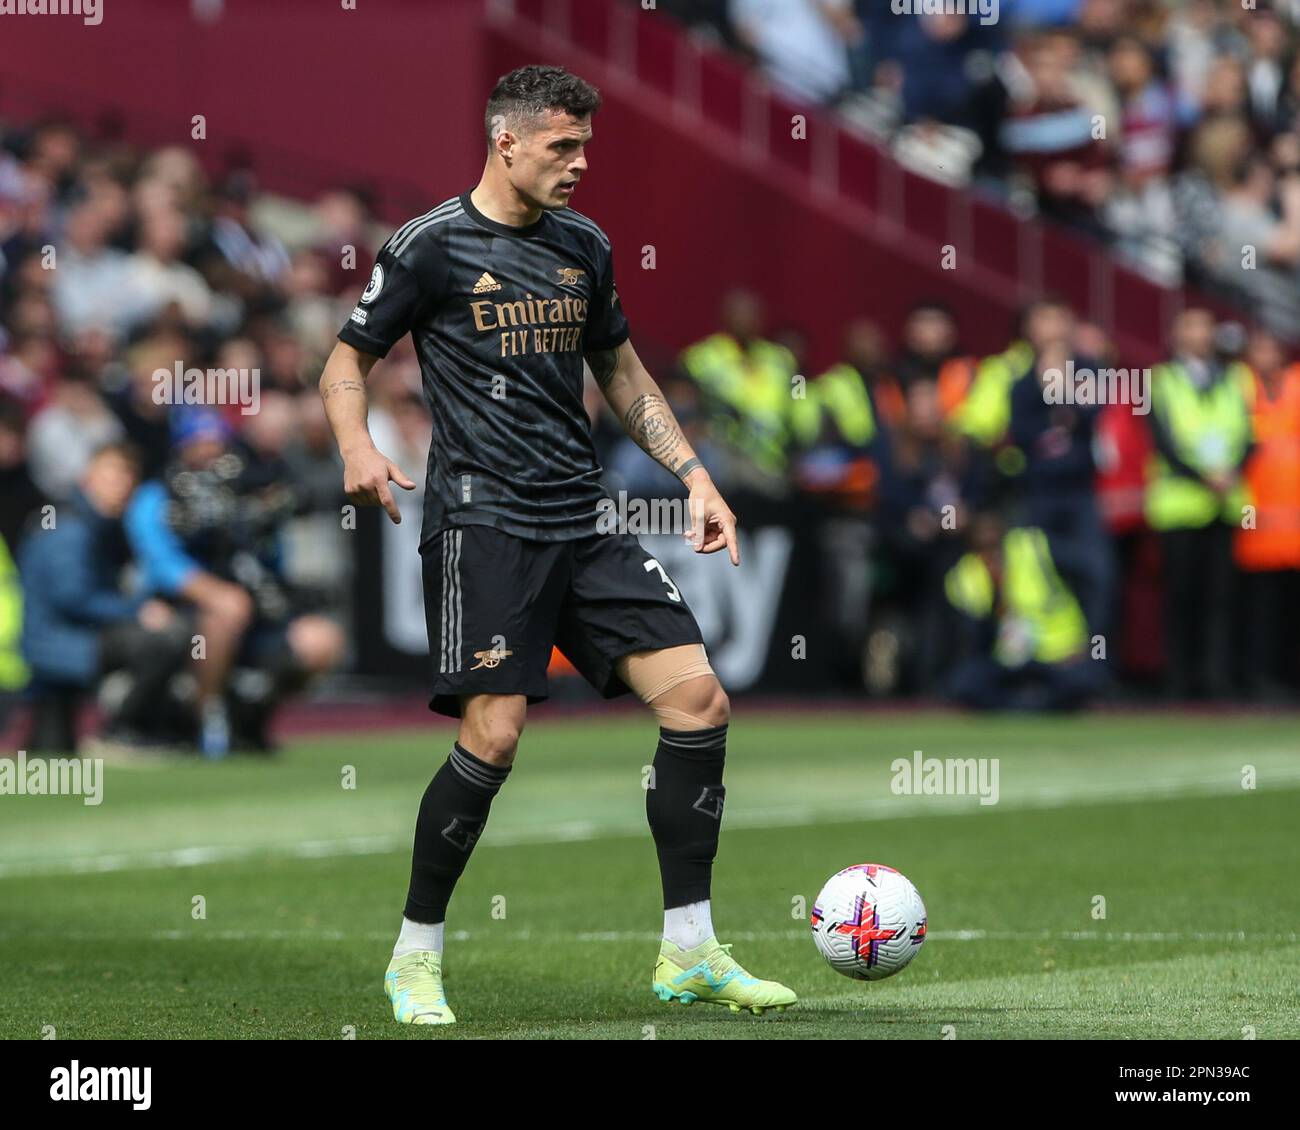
(986, 10)
(90, 11)
(1088, 387)
(53, 776)
(179, 385)
(946, 776)
(78, 1083)
(646, 515)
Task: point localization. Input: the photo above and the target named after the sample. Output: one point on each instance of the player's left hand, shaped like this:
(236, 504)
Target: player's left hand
(713, 525)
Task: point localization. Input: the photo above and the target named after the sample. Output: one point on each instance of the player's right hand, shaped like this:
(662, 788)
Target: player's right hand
(366, 476)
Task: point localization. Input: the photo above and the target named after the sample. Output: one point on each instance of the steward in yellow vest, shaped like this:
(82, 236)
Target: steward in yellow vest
(834, 426)
(1200, 420)
(13, 669)
(984, 413)
(1046, 324)
(745, 389)
(1027, 628)
(1038, 616)
(1196, 493)
(838, 400)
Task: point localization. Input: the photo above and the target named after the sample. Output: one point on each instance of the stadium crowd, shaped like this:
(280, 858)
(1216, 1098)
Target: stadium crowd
(1018, 530)
(978, 541)
(1170, 129)
(143, 521)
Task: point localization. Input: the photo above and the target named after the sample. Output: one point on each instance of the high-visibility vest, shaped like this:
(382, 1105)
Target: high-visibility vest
(841, 393)
(984, 413)
(1032, 591)
(13, 669)
(956, 376)
(1272, 539)
(1210, 430)
(754, 385)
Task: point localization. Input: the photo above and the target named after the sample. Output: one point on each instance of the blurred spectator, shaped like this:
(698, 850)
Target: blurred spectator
(745, 387)
(342, 219)
(943, 67)
(844, 407)
(802, 45)
(160, 278)
(1140, 210)
(94, 285)
(1267, 545)
(931, 482)
(29, 366)
(1129, 120)
(77, 624)
(1053, 413)
(313, 456)
(19, 496)
(983, 412)
(239, 258)
(1200, 422)
(1051, 136)
(1218, 148)
(1042, 13)
(1024, 622)
(132, 395)
(399, 418)
(206, 536)
(66, 432)
(1256, 251)
(929, 343)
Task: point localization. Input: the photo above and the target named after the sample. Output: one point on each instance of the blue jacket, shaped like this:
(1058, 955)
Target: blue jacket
(165, 562)
(69, 578)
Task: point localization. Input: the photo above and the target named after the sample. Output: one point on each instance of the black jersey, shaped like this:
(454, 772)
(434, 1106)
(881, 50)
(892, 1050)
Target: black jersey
(500, 317)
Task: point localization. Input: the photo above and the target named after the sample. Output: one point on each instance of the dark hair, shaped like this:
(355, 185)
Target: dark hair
(1049, 301)
(529, 92)
(12, 416)
(1246, 168)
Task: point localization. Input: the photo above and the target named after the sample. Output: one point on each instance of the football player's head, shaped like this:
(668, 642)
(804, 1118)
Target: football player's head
(538, 124)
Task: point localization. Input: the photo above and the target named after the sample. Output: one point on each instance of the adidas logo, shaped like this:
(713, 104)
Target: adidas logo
(486, 283)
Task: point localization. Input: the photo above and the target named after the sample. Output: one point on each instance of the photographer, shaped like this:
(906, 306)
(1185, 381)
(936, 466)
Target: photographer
(206, 536)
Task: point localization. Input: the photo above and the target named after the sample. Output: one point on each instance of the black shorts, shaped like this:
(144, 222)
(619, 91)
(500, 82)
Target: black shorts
(496, 604)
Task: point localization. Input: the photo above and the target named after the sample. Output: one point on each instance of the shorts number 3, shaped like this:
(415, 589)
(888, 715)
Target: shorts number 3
(673, 592)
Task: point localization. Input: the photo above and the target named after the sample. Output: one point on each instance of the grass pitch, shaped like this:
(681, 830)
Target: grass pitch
(552, 932)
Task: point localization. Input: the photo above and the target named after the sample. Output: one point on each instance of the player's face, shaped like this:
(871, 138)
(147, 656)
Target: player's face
(551, 160)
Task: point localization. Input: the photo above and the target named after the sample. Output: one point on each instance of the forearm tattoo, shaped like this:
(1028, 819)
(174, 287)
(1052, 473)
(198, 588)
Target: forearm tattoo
(650, 422)
(346, 384)
(686, 468)
(603, 363)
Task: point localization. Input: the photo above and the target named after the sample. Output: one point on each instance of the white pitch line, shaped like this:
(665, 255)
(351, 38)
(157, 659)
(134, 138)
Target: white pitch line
(785, 816)
(615, 936)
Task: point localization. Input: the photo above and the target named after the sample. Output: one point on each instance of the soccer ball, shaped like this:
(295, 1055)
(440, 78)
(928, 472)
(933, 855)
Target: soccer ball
(868, 922)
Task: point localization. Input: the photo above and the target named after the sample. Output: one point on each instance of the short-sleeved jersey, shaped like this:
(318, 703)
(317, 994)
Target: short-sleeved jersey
(500, 317)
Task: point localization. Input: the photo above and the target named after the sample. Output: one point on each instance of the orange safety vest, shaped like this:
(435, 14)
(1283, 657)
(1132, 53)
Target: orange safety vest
(1273, 474)
(955, 378)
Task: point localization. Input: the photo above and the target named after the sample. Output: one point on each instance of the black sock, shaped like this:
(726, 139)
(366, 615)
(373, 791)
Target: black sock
(685, 810)
(452, 816)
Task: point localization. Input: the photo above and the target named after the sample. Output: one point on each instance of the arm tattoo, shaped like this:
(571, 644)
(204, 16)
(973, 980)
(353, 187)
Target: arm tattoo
(687, 467)
(603, 362)
(650, 422)
(344, 385)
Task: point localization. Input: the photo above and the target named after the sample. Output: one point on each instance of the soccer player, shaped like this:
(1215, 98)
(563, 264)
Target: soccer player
(506, 291)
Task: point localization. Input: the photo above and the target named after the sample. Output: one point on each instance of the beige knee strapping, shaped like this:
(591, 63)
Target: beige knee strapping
(652, 674)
